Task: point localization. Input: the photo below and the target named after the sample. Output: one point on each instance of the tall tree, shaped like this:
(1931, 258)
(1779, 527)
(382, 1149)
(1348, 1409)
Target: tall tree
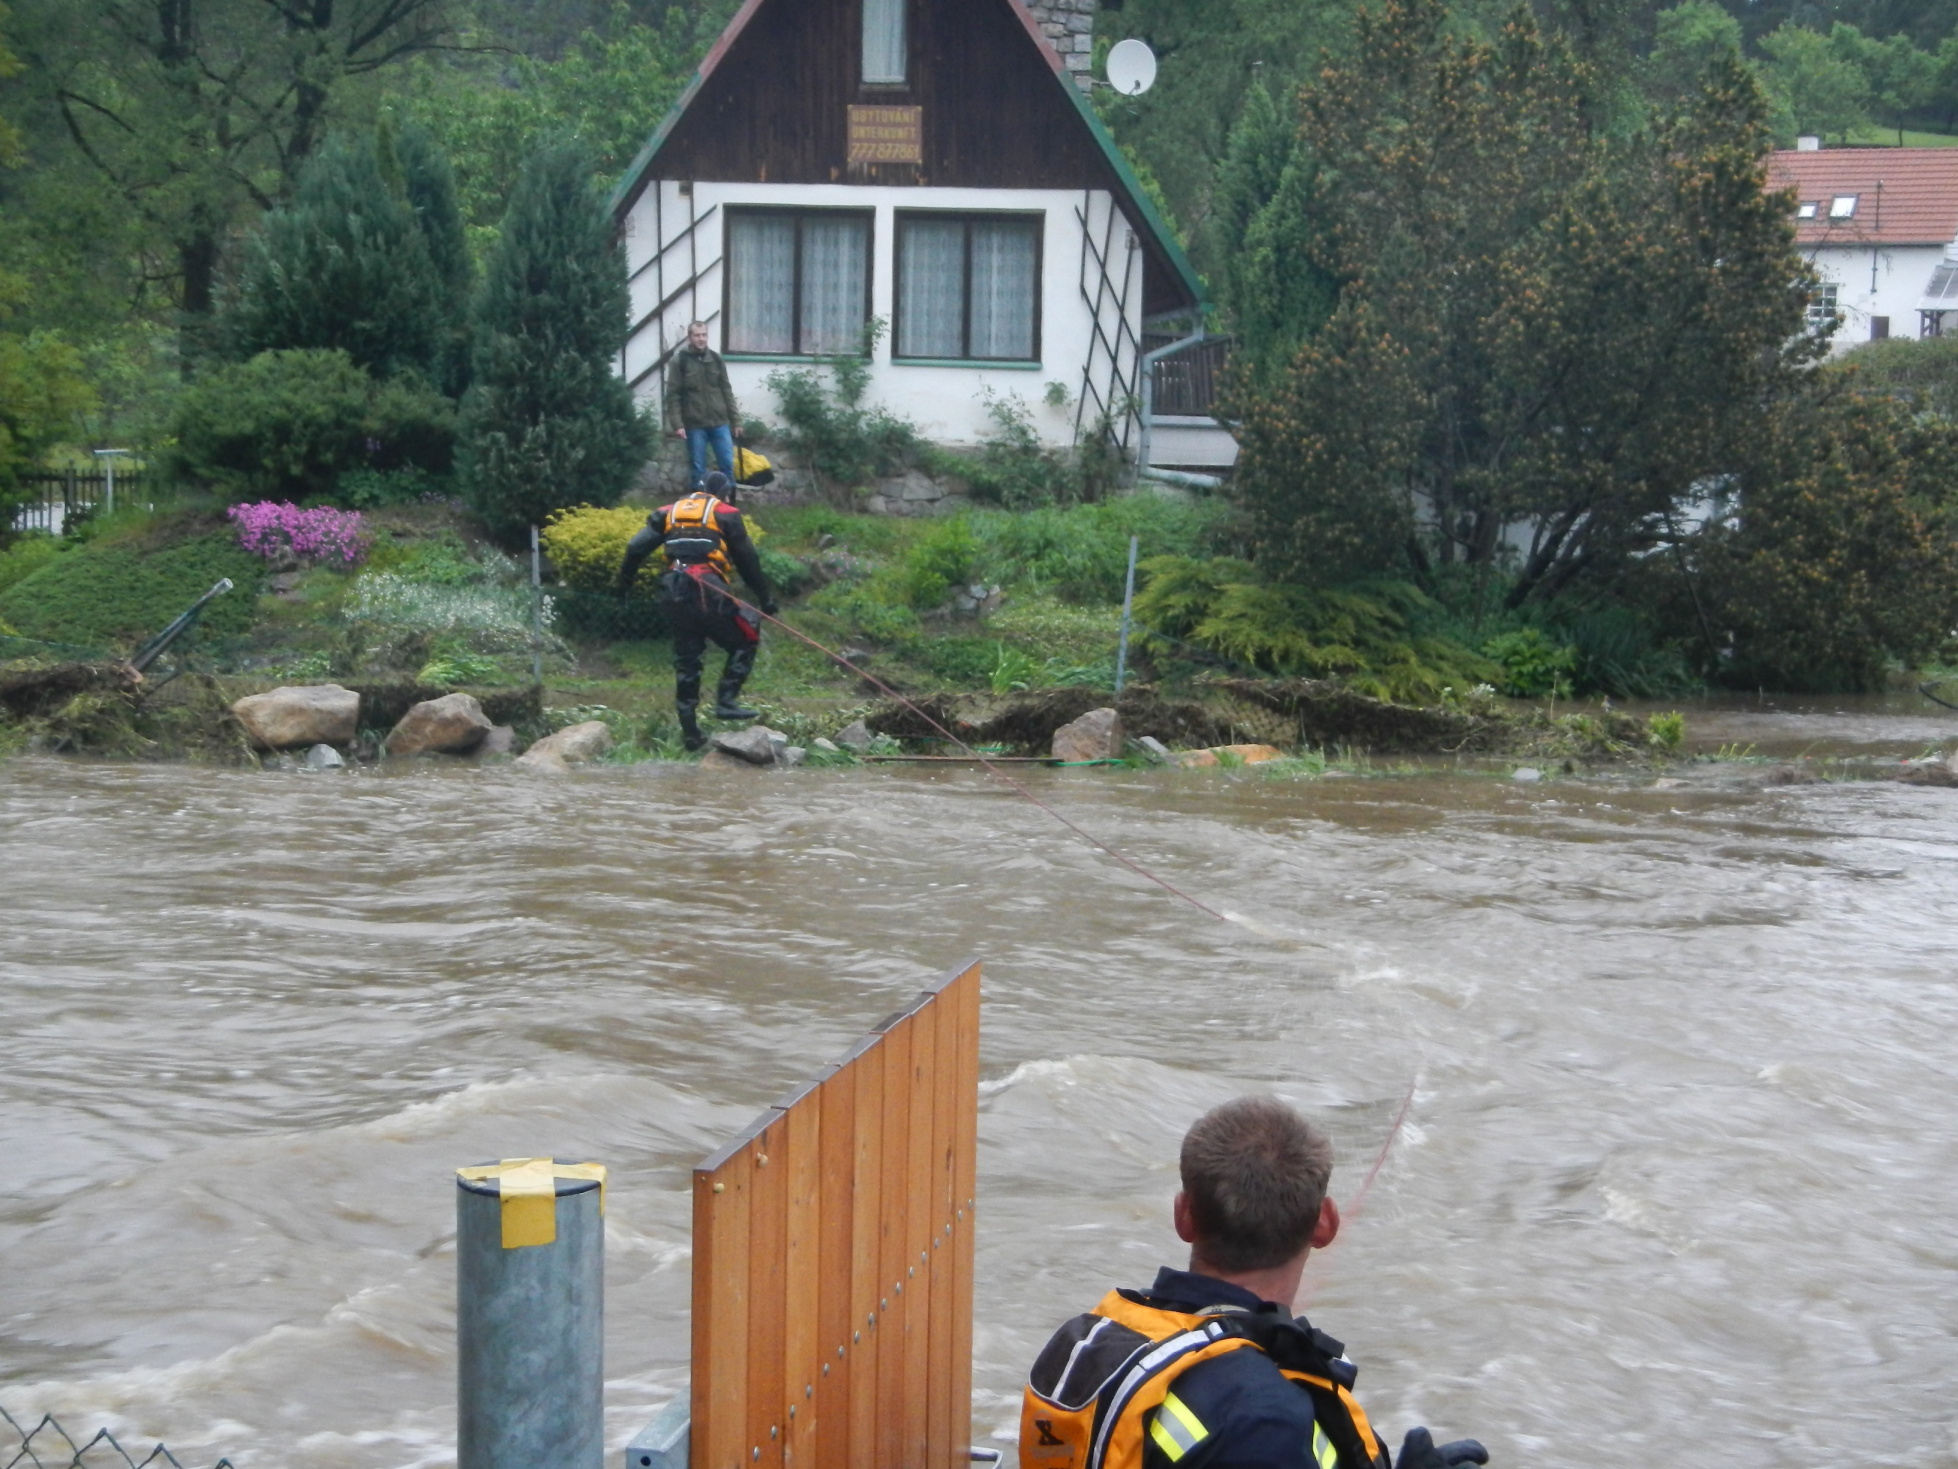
(1815, 84)
(198, 114)
(346, 264)
(429, 185)
(1538, 326)
(548, 422)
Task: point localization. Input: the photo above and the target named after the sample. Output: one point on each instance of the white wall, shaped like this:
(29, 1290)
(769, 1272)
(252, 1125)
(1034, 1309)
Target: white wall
(947, 404)
(1901, 274)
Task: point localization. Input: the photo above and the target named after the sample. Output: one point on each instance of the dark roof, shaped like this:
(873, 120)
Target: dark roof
(1111, 166)
(1903, 196)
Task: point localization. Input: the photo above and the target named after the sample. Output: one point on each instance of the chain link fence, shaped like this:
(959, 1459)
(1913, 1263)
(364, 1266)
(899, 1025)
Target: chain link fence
(47, 1445)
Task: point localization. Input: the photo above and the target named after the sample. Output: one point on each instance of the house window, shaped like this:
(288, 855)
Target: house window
(883, 42)
(798, 281)
(1822, 308)
(1805, 210)
(1843, 206)
(968, 287)
(1879, 328)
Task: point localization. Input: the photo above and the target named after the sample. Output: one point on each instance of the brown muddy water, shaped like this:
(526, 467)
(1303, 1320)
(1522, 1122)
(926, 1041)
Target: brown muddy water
(1677, 1185)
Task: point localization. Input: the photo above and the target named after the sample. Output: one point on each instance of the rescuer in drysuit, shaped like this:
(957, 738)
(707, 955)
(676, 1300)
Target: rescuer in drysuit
(1208, 1369)
(706, 543)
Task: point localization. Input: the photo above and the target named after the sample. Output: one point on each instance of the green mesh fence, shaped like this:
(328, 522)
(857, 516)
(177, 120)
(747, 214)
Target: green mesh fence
(48, 1445)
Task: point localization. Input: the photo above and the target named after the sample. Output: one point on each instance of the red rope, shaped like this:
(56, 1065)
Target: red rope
(1366, 1185)
(1089, 837)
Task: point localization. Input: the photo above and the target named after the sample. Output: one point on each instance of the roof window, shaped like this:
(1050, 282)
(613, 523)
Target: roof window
(1806, 209)
(1843, 206)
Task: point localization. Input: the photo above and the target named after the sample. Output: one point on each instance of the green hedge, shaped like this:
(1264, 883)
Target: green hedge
(103, 595)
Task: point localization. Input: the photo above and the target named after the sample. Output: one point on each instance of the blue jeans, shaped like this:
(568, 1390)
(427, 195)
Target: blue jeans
(722, 438)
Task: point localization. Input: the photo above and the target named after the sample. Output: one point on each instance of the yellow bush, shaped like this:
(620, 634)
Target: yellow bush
(587, 546)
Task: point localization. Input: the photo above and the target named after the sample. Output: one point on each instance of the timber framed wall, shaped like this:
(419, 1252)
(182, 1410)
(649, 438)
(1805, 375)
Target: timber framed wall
(832, 1272)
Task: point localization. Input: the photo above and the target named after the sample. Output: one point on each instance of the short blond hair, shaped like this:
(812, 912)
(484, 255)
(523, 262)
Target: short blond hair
(1255, 1172)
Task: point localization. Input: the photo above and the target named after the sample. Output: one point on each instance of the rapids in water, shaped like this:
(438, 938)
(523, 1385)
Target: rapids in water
(1676, 1186)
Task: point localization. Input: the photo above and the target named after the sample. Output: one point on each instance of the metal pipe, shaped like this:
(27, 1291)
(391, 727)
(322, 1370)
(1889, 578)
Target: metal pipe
(530, 1332)
(1128, 606)
(1149, 361)
(1187, 481)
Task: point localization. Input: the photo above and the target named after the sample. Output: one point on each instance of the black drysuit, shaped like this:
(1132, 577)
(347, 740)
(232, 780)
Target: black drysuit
(701, 608)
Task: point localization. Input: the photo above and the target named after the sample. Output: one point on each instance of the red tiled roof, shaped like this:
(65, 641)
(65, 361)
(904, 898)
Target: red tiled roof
(1904, 196)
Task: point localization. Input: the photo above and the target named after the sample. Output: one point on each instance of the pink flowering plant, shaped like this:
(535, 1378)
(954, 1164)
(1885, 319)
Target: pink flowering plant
(283, 533)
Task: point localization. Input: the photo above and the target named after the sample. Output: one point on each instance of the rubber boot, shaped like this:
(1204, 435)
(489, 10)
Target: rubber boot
(725, 706)
(690, 734)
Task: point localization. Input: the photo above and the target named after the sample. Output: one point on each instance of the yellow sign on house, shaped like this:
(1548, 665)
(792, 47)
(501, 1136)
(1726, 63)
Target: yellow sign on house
(887, 134)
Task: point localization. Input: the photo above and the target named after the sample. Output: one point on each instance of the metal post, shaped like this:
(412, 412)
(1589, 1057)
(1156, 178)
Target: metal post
(1149, 360)
(1128, 601)
(530, 1325)
(536, 611)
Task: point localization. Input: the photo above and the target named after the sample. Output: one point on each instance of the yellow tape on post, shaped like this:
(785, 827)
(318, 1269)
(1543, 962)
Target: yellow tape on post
(528, 1189)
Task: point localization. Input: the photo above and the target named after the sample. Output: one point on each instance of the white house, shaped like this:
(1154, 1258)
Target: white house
(929, 163)
(1881, 226)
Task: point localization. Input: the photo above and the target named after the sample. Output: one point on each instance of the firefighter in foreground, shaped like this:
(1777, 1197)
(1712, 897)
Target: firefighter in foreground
(1208, 1368)
(706, 543)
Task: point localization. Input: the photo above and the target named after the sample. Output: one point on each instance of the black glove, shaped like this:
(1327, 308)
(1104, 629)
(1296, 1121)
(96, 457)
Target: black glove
(1418, 1451)
(770, 606)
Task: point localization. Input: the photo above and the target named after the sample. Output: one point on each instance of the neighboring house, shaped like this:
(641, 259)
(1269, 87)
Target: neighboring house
(1880, 226)
(932, 163)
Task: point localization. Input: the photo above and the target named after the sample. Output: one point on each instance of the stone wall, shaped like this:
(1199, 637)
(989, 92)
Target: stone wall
(1069, 25)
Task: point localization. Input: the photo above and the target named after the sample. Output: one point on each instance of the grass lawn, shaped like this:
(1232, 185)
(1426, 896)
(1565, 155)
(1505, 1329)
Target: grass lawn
(1887, 137)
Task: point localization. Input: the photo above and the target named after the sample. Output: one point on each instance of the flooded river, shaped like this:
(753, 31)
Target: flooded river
(1677, 1184)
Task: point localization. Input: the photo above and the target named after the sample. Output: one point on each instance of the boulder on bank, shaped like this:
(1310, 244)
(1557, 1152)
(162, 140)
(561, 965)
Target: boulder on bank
(1096, 735)
(757, 744)
(856, 736)
(288, 718)
(451, 725)
(575, 744)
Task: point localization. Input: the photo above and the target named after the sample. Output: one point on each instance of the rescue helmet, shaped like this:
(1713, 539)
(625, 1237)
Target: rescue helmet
(719, 486)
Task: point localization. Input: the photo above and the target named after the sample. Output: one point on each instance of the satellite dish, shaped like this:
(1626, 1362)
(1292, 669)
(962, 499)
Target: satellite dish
(1131, 67)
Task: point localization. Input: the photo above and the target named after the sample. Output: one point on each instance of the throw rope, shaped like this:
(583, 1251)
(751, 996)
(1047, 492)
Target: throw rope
(999, 774)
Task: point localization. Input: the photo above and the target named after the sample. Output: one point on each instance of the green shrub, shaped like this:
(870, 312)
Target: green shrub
(832, 432)
(1013, 468)
(942, 559)
(1362, 634)
(1081, 553)
(375, 489)
(452, 669)
(111, 594)
(1533, 666)
(1666, 731)
(288, 425)
(874, 608)
(441, 561)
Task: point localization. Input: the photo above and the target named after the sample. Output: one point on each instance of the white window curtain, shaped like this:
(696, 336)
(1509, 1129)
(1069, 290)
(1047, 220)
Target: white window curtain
(883, 41)
(761, 283)
(931, 273)
(1003, 289)
(835, 270)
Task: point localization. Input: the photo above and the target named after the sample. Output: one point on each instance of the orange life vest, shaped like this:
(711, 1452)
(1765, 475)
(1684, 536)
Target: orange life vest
(1101, 1389)
(693, 534)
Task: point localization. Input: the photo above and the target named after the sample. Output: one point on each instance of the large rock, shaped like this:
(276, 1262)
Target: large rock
(575, 744)
(1096, 735)
(287, 718)
(451, 725)
(856, 736)
(324, 757)
(757, 744)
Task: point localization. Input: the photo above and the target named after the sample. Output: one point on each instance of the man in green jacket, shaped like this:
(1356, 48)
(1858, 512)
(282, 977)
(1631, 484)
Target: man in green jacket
(700, 404)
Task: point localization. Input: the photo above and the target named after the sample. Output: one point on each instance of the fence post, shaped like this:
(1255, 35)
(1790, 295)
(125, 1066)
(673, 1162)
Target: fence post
(536, 612)
(1128, 601)
(530, 1287)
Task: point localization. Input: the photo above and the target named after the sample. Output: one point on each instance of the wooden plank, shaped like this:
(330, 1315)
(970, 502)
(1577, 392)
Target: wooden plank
(893, 1244)
(767, 1294)
(720, 1309)
(915, 1281)
(867, 1173)
(839, 1143)
(802, 1263)
(964, 1196)
(944, 1445)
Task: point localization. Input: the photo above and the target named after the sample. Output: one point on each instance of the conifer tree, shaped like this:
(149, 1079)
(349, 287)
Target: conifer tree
(547, 421)
(429, 184)
(345, 265)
